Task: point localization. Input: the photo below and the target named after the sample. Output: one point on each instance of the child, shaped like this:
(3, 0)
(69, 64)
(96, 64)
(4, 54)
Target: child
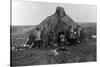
(62, 39)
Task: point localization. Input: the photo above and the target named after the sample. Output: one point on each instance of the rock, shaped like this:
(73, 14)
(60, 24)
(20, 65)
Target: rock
(53, 52)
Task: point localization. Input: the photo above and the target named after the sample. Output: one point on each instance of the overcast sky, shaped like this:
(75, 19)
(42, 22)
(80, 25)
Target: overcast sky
(33, 13)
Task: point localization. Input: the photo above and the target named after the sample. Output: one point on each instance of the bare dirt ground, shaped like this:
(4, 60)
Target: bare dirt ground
(84, 52)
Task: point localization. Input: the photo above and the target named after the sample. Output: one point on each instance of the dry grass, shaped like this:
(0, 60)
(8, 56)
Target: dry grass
(80, 53)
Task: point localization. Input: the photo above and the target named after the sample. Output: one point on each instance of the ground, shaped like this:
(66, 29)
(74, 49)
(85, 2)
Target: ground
(84, 52)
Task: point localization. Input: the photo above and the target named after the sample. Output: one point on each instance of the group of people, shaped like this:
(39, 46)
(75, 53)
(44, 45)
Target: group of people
(71, 36)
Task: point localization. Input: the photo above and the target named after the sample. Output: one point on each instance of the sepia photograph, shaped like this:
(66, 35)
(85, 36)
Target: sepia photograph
(45, 33)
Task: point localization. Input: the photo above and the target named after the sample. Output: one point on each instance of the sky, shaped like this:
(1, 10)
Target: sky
(33, 13)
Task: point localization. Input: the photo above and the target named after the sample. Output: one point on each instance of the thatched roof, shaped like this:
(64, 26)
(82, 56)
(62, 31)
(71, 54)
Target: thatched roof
(58, 21)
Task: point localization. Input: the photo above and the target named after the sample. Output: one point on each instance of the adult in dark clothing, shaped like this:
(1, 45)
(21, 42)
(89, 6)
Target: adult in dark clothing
(31, 40)
(58, 38)
(70, 35)
(74, 37)
(51, 38)
(42, 39)
(82, 35)
(78, 33)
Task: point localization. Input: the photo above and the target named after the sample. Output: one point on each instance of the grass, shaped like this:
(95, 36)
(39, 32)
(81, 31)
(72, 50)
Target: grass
(84, 52)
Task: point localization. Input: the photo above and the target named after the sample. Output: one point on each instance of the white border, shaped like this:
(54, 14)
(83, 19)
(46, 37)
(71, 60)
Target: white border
(5, 32)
